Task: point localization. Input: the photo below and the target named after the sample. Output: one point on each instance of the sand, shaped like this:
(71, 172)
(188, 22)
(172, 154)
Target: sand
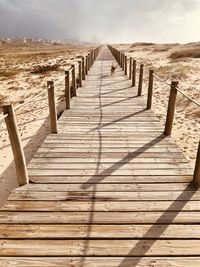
(18, 84)
(186, 128)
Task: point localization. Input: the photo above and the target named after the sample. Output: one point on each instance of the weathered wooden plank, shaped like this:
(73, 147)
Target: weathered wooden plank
(108, 119)
(118, 147)
(107, 172)
(108, 139)
(109, 179)
(126, 151)
(100, 261)
(107, 187)
(101, 205)
(108, 160)
(143, 112)
(122, 155)
(146, 136)
(92, 125)
(106, 143)
(106, 196)
(82, 231)
(139, 130)
(104, 166)
(120, 143)
(99, 247)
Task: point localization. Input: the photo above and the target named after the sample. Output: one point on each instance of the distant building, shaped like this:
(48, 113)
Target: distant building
(28, 40)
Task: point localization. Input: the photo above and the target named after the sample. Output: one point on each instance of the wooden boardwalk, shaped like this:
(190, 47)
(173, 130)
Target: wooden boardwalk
(108, 190)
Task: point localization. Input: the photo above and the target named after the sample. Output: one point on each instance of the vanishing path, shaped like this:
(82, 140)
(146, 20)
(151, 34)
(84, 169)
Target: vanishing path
(108, 190)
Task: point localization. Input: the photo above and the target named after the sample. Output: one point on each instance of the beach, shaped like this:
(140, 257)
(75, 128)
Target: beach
(23, 78)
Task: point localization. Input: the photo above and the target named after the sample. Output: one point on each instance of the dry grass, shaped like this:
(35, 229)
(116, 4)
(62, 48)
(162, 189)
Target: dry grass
(175, 72)
(44, 68)
(193, 52)
(8, 73)
(141, 44)
(3, 100)
(164, 47)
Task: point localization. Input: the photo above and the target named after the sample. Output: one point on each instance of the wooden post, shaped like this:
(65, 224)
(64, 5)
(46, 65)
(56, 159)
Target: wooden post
(83, 68)
(86, 65)
(73, 81)
(52, 107)
(88, 62)
(130, 68)
(92, 60)
(196, 177)
(126, 67)
(80, 73)
(120, 59)
(18, 153)
(67, 90)
(171, 108)
(93, 57)
(140, 80)
(150, 89)
(134, 73)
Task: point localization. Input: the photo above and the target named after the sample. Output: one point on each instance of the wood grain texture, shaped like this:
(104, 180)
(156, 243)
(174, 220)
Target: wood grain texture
(100, 261)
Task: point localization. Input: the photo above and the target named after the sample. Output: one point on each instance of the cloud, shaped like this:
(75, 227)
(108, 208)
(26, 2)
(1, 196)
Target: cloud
(113, 20)
(44, 18)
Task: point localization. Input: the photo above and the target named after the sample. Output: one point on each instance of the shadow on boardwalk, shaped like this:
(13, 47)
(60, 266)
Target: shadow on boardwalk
(142, 244)
(154, 231)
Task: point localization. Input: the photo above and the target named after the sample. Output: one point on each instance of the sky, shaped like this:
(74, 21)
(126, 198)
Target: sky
(108, 21)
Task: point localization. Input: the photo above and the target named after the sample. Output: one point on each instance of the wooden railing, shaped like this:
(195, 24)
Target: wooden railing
(121, 58)
(70, 88)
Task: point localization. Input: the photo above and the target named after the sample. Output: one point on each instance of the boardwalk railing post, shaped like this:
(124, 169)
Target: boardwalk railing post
(134, 73)
(52, 107)
(140, 80)
(67, 89)
(83, 68)
(122, 61)
(93, 57)
(80, 73)
(126, 67)
(19, 157)
(73, 80)
(89, 61)
(196, 177)
(130, 67)
(150, 89)
(171, 108)
(86, 65)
